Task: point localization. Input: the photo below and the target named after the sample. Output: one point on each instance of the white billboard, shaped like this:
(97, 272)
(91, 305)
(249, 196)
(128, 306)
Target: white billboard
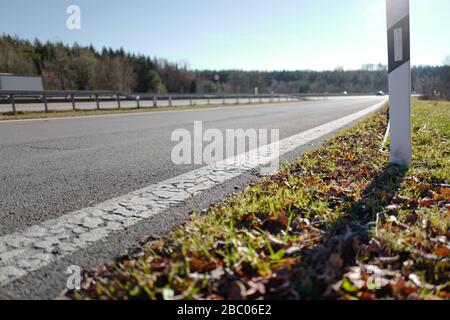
(20, 83)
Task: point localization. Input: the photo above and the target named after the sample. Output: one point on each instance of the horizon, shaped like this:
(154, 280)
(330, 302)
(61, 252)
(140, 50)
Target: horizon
(336, 69)
(195, 45)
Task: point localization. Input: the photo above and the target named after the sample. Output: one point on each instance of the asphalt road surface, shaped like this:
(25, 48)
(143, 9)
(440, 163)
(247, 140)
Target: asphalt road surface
(49, 168)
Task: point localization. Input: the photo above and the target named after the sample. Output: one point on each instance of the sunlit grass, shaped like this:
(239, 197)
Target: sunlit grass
(316, 229)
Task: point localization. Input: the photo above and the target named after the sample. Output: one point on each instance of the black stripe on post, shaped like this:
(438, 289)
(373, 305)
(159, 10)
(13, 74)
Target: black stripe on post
(403, 27)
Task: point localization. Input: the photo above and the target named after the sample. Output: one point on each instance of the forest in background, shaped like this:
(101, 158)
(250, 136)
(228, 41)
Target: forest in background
(75, 67)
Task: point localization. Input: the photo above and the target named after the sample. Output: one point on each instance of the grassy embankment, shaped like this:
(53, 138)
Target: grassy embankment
(339, 223)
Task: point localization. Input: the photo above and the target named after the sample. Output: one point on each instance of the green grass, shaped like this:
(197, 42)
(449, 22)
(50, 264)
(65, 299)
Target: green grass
(338, 223)
(26, 115)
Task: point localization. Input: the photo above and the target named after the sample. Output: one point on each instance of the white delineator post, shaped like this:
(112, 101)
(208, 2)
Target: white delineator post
(399, 80)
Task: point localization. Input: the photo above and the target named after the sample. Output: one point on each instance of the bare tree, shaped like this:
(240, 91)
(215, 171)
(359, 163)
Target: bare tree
(13, 58)
(57, 67)
(82, 66)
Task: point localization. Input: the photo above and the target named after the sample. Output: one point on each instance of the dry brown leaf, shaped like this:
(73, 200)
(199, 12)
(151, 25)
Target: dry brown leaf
(442, 251)
(412, 218)
(335, 260)
(350, 157)
(288, 262)
(427, 202)
(444, 191)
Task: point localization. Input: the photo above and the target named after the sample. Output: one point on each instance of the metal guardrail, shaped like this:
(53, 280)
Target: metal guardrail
(74, 97)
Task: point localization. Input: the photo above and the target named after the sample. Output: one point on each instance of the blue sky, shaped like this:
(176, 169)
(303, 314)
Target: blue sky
(237, 34)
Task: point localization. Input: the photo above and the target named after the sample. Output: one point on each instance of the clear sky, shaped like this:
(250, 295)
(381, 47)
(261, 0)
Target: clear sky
(237, 34)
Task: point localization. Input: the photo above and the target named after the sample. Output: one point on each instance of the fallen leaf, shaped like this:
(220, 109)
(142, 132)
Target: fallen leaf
(201, 265)
(381, 194)
(442, 251)
(412, 218)
(335, 260)
(285, 263)
(427, 202)
(445, 192)
(351, 157)
(283, 218)
(348, 286)
(401, 289)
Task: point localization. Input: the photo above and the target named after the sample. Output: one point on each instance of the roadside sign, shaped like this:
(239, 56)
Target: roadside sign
(399, 80)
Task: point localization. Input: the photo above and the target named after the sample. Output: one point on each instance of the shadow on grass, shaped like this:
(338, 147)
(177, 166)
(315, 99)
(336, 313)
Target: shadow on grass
(339, 248)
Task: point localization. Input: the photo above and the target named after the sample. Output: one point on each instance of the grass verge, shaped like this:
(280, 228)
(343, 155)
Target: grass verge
(27, 115)
(339, 223)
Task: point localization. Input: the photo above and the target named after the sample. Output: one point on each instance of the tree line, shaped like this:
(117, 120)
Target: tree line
(64, 67)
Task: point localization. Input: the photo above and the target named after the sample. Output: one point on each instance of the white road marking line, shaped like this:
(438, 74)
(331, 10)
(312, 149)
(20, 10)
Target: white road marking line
(27, 251)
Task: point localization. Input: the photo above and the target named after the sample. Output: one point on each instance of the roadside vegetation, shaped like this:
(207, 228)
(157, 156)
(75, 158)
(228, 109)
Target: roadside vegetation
(339, 223)
(78, 67)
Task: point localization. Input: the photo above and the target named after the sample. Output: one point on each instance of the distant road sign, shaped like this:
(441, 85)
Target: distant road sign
(10, 82)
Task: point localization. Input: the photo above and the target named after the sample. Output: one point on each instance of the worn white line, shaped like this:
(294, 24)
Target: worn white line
(27, 251)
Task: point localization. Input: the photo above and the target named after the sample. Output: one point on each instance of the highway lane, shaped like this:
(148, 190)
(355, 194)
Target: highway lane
(52, 167)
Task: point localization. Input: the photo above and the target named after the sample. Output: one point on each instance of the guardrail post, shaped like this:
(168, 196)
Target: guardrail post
(73, 102)
(155, 102)
(118, 101)
(44, 97)
(138, 102)
(208, 100)
(97, 101)
(190, 101)
(170, 101)
(13, 103)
